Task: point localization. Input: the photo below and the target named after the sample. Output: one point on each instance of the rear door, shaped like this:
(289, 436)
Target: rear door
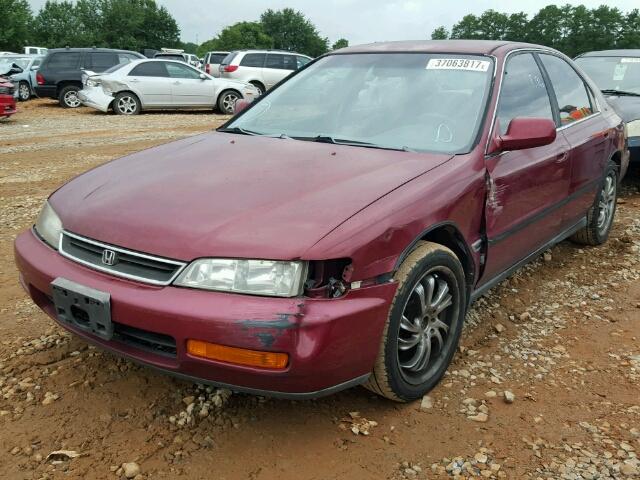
(586, 131)
(278, 66)
(151, 82)
(187, 88)
(526, 188)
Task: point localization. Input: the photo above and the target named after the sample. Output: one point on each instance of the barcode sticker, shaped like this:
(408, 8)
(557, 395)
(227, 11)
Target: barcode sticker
(458, 64)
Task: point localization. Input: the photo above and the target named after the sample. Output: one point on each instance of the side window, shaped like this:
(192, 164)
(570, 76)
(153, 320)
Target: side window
(100, 61)
(289, 62)
(571, 92)
(274, 60)
(301, 61)
(523, 92)
(149, 69)
(253, 60)
(63, 60)
(181, 71)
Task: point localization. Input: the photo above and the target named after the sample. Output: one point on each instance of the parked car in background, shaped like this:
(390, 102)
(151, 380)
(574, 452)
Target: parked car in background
(212, 61)
(160, 84)
(617, 74)
(60, 73)
(25, 81)
(335, 232)
(262, 68)
(7, 97)
(41, 51)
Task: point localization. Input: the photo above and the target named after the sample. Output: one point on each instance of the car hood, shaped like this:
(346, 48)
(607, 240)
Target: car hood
(228, 195)
(628, 108)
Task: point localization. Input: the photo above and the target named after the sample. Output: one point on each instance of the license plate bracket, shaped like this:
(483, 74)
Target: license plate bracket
(83, 307)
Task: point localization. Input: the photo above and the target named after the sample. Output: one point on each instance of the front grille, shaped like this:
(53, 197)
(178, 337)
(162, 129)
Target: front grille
(119, 261)
(157, 343)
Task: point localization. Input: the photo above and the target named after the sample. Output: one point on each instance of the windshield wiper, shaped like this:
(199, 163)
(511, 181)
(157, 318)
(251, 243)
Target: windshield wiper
(357, 143)
(240, 130)
(622, 93)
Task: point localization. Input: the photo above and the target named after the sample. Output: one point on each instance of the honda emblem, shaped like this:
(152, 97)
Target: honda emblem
(109, 257)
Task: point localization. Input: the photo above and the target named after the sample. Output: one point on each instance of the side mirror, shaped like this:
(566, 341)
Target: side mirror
(526, 132)
(203, 76)
(240, 105)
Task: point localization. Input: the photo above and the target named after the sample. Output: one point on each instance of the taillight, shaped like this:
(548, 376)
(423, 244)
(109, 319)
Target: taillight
(207, 69)
(39, 78)
(230, 68)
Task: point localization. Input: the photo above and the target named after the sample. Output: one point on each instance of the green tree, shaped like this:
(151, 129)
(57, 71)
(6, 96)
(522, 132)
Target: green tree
(340, 43)
(291, 30)
(630, 31)
(468, 27)
(440, 33)
(16, 17)
(189, 47)
(238, 36)
(58, 25)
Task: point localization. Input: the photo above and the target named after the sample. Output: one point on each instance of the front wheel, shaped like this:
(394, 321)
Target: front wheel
(227, 101)
(126, 103)
(424, 324)
(24, 91)
(601, 214)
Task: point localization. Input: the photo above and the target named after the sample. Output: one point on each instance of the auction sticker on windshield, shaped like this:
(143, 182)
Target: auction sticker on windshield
(630, 60)
(458, 64)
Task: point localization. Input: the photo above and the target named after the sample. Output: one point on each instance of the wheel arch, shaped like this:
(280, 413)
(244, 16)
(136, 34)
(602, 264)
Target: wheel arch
(126, 90)
(447, 234)
(262, 85)
(67, 83)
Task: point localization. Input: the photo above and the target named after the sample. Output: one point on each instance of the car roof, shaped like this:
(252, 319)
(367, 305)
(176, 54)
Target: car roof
(631, 52)
(478, 47)
(93, 49)
(258, 50)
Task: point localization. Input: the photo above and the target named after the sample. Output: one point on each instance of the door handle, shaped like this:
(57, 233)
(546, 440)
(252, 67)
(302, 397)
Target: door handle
(134, 80)
(561, 157)
(177, 82)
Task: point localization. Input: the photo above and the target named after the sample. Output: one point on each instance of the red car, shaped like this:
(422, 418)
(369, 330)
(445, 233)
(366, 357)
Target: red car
(335, 231)
(7, 100)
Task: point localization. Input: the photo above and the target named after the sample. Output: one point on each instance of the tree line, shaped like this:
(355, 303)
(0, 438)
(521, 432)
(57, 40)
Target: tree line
(141, 24)
(570, 29)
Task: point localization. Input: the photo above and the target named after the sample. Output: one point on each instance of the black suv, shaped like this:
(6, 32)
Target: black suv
(60, 74)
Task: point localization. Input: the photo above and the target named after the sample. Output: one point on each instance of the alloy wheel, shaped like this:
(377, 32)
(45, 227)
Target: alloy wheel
(24, 91)
(424, 327)
(607, 203)
(229, 101)
(71, 99)
(127, 105)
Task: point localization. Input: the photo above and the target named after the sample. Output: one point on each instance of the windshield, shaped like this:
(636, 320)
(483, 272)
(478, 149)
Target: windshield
(409, 101)
(6, 63)
(613, 73)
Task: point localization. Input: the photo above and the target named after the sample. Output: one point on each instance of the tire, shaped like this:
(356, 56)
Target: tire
(68, 97)
(126, 103)
(602, 213)
(259, 86)
(227, 101)
(394, 374)
(24, 91)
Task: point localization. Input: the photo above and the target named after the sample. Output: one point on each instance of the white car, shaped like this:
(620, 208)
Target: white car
(160, 84)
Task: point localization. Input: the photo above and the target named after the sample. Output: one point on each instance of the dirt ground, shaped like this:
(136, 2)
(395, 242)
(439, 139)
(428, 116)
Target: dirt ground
(562, 336)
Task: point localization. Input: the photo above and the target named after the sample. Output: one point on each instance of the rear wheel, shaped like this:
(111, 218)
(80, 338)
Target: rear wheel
(424, 324)
(600, 216)
(24, 91)
(126, 103)
(227, 101)
(68, 97)
(260, 87)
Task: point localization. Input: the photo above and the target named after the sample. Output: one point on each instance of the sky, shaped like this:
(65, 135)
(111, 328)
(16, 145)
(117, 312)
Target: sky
(359, 21)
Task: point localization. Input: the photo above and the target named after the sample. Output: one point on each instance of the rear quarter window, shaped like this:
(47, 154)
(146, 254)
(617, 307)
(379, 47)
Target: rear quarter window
(253, 60)
(216, 58)
(149, 69)
(64, 60)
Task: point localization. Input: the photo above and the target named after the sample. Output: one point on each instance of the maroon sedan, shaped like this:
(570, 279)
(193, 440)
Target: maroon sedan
(7, 99)
(336, 231)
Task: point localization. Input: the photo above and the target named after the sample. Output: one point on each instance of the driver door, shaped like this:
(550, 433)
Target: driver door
(527, 189)
(188, 89)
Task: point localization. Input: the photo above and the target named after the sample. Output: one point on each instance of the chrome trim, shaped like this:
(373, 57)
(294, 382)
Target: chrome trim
(564, 127)
(180, 265)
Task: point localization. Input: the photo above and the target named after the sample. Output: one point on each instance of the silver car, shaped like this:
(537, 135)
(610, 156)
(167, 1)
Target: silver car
(160, 84)
(261, 68)
(212, 61)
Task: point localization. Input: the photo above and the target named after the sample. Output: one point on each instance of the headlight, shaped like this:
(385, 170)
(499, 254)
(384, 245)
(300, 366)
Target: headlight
(633, 128)
(49, 226)
(92, 83)
(256, 277)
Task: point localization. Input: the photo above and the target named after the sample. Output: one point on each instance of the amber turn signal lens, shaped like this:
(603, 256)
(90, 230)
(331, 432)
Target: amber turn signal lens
(239, 356)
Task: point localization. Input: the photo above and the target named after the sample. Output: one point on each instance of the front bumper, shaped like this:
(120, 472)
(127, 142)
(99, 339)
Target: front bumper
(332, 343)
(95, 98)
(7, 105)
